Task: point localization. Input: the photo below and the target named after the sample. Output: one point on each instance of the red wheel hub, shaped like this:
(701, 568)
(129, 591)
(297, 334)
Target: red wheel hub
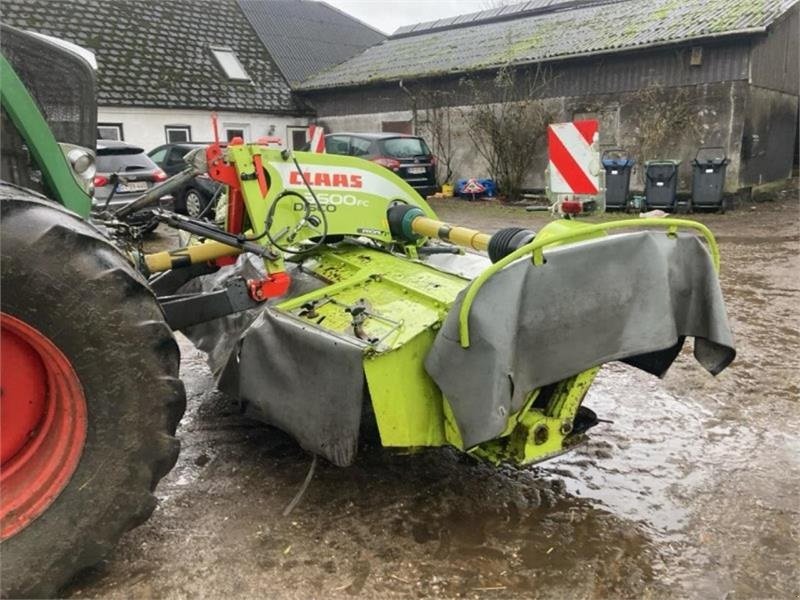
(42, 423)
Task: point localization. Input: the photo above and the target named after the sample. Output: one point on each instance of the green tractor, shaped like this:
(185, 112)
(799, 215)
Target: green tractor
(330, 298)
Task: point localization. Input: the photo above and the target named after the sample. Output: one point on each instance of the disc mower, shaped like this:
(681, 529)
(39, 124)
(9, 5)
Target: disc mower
(332, 297)
(334, 294)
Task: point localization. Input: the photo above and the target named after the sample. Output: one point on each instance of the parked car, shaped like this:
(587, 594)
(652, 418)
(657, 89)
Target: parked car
(406, 155)
(192, 198)
(126, 170)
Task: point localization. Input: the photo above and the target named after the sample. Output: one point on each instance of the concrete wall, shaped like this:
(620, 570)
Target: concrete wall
(364, 123)
(740, 96)
(714, 117)
(145, 126)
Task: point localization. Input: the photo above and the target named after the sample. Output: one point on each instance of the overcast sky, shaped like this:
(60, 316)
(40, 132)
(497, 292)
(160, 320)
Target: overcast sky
(388, 15)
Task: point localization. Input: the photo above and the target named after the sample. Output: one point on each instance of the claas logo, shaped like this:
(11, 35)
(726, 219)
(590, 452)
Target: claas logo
(325, 179)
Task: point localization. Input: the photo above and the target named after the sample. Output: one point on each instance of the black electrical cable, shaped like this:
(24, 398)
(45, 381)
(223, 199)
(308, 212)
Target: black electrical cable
(306, 217)
(322, 214)
(113, 180)
(271, 215)
(211, 202)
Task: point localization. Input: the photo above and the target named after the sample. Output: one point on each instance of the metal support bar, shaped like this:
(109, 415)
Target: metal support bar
(153, 194)
(191, 309)
(222, 244)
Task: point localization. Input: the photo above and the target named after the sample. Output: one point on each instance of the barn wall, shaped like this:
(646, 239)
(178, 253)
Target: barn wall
(716, 114)
(769, 133)
(776, 56)
(603, 74)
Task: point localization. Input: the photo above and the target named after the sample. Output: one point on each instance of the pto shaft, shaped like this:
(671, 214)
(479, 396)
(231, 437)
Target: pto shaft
(409, 224)
(461, 236)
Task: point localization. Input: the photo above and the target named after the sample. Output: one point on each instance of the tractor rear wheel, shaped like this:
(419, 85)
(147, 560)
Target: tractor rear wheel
(90, 396)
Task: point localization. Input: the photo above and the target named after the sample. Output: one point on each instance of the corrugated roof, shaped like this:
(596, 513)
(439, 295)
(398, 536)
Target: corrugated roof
(305, 37)
(156, 53)
(510, 11)
(595, 28)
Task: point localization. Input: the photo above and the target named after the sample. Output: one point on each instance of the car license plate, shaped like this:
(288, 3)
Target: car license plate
(416, 170)
(132, 186)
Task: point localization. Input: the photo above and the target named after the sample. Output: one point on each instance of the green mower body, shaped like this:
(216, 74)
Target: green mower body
(362, 239)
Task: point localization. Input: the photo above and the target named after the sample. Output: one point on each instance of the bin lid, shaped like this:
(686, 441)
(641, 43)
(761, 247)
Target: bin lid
(619, 163)
(662, 161)
(710, 162)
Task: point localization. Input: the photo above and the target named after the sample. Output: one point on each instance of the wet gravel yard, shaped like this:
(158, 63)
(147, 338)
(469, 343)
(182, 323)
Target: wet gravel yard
(693, 491)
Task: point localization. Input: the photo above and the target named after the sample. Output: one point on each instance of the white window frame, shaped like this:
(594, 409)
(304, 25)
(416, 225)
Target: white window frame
(187, 129)
(290, 129)
(243, 127)
(229, 63)
(117, 126)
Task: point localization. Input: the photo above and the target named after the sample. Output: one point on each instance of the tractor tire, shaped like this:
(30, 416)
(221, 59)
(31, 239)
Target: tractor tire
(88, 342)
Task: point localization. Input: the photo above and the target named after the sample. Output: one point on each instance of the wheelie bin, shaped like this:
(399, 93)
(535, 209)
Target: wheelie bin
(618, 165)
(661, 183)
(708, 178)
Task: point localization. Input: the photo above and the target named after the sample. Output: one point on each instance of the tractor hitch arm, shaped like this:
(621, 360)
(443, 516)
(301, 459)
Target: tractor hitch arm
(198, 165)
(156, 192)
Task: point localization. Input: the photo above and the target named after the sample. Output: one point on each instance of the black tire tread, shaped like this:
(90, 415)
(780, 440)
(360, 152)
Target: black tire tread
(112, 293)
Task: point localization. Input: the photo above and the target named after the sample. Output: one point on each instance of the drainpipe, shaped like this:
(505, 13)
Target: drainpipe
(413, 105)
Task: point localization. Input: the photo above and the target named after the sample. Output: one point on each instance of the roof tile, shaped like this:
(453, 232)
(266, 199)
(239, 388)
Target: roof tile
(155, 53)
(305, 37)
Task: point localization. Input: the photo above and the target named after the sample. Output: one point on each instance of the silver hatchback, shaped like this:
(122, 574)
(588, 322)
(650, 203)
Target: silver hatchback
(125, 167)
(124, 172)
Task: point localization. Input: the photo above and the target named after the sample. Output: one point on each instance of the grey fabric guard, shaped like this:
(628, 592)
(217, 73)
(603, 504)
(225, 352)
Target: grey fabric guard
(305, 382)
(630, 297)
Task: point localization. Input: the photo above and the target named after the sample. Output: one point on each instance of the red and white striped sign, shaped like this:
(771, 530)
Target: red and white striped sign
(574, 155)
(316, 136)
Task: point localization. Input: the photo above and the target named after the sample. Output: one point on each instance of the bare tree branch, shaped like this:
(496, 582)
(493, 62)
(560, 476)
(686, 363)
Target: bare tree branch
(506, 124)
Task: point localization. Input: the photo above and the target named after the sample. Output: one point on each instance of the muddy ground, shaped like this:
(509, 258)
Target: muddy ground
(692, 491)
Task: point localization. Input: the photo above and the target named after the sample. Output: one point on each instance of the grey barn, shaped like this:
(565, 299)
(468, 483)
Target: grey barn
(715, 73)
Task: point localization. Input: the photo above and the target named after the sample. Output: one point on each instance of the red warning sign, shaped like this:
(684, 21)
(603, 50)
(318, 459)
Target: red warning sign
(574, 156)
(316, 135)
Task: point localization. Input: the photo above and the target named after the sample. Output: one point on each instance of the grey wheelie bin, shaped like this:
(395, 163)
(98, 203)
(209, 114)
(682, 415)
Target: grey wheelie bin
(708, 178)
(661, 183)
(617, 164)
